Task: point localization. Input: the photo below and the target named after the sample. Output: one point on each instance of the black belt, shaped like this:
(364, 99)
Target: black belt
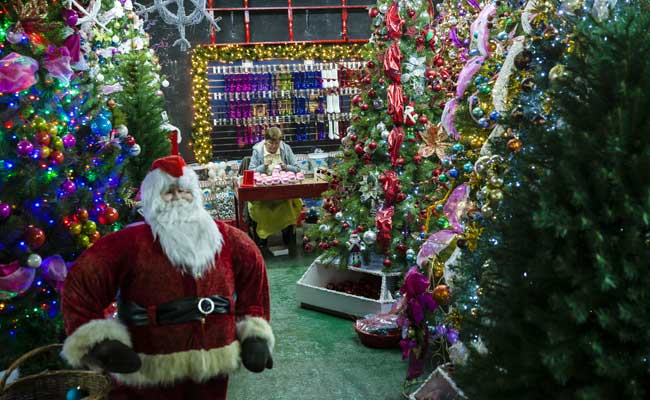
(174, 312)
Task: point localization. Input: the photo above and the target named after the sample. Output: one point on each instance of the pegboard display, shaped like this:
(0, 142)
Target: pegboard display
(308, 99)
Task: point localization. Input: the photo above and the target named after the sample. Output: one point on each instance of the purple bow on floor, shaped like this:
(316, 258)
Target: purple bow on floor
(455, 207)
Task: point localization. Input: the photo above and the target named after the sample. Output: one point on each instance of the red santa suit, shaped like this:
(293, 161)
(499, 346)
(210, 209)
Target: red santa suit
(186, 327)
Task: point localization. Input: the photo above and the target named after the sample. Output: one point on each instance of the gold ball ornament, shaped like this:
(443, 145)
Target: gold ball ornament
(83, 241)
(111, 103)
(474, 312)
(438, 270)
(556, 73)
(514, 145)
(53, 130)
(477, 143)
(75, 229)
(441, 294)
(45, 152)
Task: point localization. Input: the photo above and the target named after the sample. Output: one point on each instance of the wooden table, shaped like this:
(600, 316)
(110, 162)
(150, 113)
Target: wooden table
(312, 187)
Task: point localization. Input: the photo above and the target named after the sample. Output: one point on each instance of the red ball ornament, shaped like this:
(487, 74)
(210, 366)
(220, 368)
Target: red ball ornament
(354, 137)
(109, 216)
(401, 196)
(371, 64)
(367, 158)
(381, 81)
(401, 248)
(323, 245)
(130, 141)
(373, 12)
(334, 243)
(423, 119)
(437, 87)
(387, 262)
(444, 75)
(82, 215)
(35, 237)
(430, 74)
(401, 161)
(372, 94)
(43, 138)
(419, 41)
(308, 248)
(357, 99)
(360, 228)
(439, 61)
(410, 12)
(366, 80)
(436, 173)
(94, 236)
(372, 145)
(345, 226)
(352, 171)
(358, 149)
(56, 157)
(417, 159)
(364, 107)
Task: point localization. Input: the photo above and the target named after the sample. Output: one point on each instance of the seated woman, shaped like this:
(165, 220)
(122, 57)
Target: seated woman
(276, 215)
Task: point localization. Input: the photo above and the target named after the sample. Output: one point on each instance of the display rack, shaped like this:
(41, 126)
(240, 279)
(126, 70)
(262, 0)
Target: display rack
(308, 99)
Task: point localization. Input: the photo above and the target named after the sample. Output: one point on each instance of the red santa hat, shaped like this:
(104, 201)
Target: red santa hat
(171, 165)
(165, 172)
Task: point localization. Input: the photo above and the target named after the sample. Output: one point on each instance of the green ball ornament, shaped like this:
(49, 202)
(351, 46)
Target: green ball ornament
(443, 178)
(478, 112)
(443, 223)
(89, 227)
(83, 241)
(57, 143)
(485, 89)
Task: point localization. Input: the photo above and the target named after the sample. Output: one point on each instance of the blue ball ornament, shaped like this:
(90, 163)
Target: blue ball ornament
(468, 167)
(76, 393)
(457, 147)
(495, 116)
(453, 173)
(483, 123)
(502, 36)
(101, 125)
(446, 162)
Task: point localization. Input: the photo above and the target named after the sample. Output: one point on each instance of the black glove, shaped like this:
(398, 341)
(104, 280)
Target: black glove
(255, 355)
(113, 356)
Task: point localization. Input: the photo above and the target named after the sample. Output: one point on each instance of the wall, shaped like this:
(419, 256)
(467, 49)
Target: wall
(265, 26)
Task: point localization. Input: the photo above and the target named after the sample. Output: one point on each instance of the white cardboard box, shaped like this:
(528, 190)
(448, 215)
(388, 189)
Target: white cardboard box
(311, 291)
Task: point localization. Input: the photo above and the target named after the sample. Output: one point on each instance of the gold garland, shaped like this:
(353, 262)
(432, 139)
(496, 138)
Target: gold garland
(202, 55)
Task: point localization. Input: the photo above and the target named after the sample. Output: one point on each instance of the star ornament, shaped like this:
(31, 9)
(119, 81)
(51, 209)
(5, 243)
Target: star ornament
(434, 141)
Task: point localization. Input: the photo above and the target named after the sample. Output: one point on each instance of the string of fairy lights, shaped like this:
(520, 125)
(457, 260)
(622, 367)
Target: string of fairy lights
(203, 55)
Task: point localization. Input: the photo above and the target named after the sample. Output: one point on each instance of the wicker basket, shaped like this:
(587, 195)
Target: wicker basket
(52, 384)
(390, 341)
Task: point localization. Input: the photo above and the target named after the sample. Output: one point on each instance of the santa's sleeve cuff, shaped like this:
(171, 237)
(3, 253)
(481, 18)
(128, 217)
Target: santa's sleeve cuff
(82, 340)
(250, 327)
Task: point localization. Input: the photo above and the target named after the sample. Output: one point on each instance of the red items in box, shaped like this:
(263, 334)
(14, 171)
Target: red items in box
(369, 287)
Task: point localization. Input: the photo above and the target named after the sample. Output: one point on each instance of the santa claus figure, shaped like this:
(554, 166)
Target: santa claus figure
(192, 294)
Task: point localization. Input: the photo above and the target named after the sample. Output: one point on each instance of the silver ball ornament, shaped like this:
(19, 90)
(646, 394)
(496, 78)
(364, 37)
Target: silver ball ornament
(339, 216)
(370, 237)
(34, 261)
(324, 228)
(122, 131)
(135, 150)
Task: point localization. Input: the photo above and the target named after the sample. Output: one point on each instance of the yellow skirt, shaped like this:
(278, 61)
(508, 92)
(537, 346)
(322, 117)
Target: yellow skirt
(273, 216)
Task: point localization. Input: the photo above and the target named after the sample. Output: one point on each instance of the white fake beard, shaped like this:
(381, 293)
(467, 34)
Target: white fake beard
(187, 234)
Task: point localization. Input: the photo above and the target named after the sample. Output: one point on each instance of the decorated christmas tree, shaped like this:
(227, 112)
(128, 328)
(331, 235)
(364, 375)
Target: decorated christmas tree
(394, 165)
(129, 75)
(59, 168)
(561, 267)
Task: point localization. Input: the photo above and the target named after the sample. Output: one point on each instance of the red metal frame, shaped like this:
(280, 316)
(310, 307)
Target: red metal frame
(344, 7)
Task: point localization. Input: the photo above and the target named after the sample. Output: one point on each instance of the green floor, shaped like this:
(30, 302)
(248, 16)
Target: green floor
(317, 356)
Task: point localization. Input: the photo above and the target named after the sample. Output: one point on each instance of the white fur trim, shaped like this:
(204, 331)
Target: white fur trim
(256, 327)
(88, 335)
(197, 365)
